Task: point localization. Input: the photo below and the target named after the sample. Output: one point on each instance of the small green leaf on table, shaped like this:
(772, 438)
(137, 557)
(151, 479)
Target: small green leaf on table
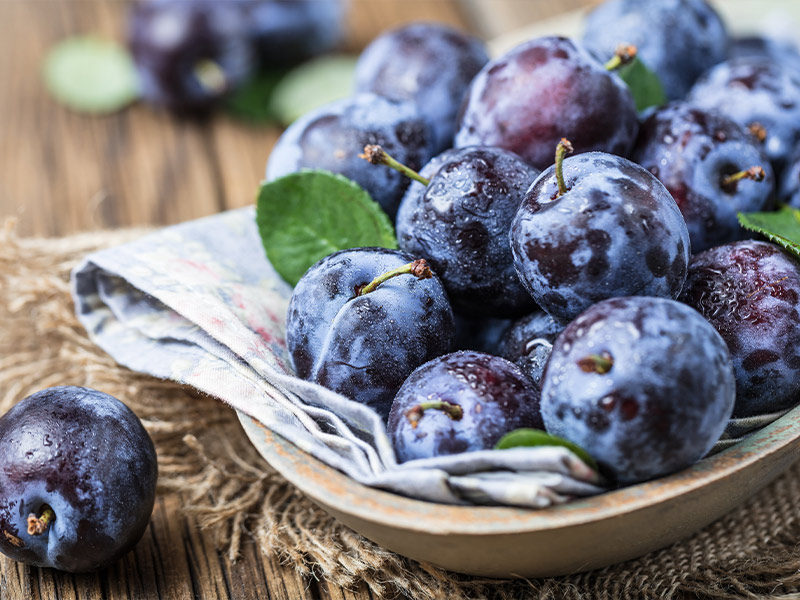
(644, 84)
(781, 226)
(535, 437)
(305, 216)
(311, 85)
(91, 75)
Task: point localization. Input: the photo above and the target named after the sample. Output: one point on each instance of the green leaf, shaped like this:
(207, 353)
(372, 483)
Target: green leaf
(781, 226)
(91, 75)
(644, 84)
(252, 101)
(535, 437)
(311, 85)
(308, 215)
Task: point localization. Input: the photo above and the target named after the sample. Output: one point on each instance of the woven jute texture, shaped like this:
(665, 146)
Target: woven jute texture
(203, 452)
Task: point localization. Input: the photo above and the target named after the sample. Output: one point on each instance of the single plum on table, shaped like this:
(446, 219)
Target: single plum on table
(333, 136)
(597, 226)
(429, 63)
(189, 53)
(750, 292)
(78, 479)
(460, 402)
(712, 167)
(545, 89)
(361, 320)
(644, 385)
(677, 39)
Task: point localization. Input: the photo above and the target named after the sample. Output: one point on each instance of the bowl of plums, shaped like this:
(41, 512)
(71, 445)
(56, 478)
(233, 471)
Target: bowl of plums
(596, 251)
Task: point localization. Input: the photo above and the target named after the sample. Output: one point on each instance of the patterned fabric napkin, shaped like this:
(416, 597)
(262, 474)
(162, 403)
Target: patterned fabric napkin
(198, 303)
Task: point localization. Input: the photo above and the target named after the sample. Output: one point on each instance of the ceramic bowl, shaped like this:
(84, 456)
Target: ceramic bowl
(579, 536)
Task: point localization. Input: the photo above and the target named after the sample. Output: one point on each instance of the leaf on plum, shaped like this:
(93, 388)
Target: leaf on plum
(644, 84)
(305, 216)
(781, 227)
(526, 437)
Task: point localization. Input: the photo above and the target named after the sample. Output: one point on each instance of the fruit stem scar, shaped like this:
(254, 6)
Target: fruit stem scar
(375, 155)
(596, 363)
(564, 147)
(38, 525)
(623, 56)
(729, 182)
(418, 268)
(414, 414)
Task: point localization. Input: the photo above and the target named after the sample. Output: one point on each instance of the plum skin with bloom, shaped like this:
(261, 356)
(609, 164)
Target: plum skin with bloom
(691, 151)
(333, 136)
(750, 291)
(491, 394)
(438, 63)
(460, 223)
(542, 90)
(644, 385)
(87, 456)
(615, 231)
(364, 346)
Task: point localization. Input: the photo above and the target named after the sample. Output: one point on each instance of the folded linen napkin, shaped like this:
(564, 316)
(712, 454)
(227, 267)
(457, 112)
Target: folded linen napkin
(198, 303)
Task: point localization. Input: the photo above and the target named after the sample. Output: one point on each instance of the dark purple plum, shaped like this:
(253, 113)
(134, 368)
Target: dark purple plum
(333, 136)
(189, 53)
(789, 183)
(644, 385)
(697, 155)
(78, 479)
(460, 224)
(677, 39)
(755, 91)
(460, 402)
(614, 230)
(750, 292)
(287, 32)
(545, 89)
(364, 344)
(528, 343)
(429, 63)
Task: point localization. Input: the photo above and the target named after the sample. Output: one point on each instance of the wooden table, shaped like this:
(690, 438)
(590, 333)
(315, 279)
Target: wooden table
(62, 172)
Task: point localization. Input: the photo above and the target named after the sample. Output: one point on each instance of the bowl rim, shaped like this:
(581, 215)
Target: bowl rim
(341, 493)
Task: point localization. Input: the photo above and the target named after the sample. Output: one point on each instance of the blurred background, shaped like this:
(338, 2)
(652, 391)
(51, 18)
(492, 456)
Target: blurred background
(62, 171)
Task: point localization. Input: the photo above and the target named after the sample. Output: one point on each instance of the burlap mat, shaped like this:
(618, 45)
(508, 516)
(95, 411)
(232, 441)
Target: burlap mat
(751, 553)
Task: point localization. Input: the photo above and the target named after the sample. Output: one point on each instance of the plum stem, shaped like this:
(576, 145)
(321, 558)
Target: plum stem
(564, 147)
(596, 363)
(728, 183)
(38, 525)
(375, 155)
(210, 76)
(418, 268)
(414, 414)
(623, 56)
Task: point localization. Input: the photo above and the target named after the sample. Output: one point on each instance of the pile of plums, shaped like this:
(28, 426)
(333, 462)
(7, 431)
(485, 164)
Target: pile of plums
(585, 271)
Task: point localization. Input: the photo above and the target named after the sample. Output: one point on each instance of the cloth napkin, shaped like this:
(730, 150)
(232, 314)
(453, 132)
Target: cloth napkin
(198, 303)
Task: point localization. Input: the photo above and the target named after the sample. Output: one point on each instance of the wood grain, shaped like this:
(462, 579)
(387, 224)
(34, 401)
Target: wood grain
(62, 172)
